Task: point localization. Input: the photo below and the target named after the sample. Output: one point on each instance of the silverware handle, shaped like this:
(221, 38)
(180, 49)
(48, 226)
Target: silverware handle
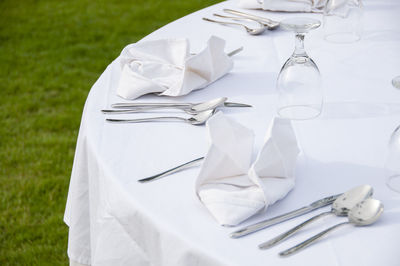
(309, 241)
(137, 109)
(278, 239)
(223, 22)
(251, 16)
(263, 224)
(235, 18)
(124, 111)
(231, 104)
(236, 51)
(171, 171)
(152, 105)
(149, 119)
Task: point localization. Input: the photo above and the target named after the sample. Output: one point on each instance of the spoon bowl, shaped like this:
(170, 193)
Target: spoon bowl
(209, 105)
(345, 202)
(364, 213)
(340, 207)
(201, 117)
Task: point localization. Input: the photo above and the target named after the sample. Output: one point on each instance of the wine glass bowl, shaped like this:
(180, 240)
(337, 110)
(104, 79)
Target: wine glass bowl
(392, 164)
(299, 81)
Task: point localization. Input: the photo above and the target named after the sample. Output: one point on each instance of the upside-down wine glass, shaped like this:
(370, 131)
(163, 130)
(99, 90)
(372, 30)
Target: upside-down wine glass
(299, 82)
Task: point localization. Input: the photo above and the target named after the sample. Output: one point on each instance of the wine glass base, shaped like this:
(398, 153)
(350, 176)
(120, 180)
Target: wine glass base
(300, 24)
(342, 37)
(299, 112)
(393, 182)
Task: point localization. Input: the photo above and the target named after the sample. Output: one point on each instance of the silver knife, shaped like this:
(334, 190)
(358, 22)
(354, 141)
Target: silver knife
(150, 105)
(284, 217)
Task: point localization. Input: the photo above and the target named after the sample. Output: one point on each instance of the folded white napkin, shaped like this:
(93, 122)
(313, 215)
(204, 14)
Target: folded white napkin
(228, 184)
(285, 5)
(167, 67)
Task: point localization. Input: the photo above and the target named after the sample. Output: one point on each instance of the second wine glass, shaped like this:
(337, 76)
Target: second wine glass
(299, 82)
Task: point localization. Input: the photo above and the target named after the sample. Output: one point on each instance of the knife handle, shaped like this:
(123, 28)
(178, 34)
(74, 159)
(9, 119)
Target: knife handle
(263, 224)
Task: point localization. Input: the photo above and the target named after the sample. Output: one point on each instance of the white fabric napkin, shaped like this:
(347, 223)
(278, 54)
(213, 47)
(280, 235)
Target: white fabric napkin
(230, 186)
(285, 5)
(167, 67)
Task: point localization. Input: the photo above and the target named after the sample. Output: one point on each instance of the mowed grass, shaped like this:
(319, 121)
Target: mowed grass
(51, 52)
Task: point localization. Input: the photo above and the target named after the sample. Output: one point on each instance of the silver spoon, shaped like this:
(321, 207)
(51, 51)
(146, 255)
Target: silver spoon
(340, 207)
(197, 119)
(188, 108)
(365, 213)
(249, 30)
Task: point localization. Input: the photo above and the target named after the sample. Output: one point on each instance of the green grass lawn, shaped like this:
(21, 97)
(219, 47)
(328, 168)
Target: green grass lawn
(51, 52)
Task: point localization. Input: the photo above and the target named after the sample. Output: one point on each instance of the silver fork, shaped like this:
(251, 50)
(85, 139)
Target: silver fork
(271, 24)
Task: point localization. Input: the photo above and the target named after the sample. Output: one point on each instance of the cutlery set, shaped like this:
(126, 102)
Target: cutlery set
(356, 204)
(263, 23)
(200, 112)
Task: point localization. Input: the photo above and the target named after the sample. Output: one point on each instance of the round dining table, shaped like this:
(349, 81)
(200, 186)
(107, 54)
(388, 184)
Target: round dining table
(115, 220)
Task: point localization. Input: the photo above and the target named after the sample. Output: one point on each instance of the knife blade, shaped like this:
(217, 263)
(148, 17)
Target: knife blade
(284, 217)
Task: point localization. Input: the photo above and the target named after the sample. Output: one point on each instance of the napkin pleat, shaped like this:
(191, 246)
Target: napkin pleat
(167, 67)
(224, 203)
(143, 84)
(230, 186)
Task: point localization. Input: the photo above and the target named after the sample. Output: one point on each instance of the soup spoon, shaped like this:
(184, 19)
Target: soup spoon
(365, 213)
(340, 207)
(251, 31)
(197, 119)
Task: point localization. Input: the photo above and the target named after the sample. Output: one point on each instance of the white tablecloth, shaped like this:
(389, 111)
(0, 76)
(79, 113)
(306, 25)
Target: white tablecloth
(114, 220)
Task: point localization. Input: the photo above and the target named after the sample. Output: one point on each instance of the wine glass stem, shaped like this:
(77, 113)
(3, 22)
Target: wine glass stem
(299, 45)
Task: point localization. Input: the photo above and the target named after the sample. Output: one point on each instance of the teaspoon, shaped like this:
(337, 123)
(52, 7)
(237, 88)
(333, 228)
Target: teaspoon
(340, 207)
(197, 119)
(365, 213)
